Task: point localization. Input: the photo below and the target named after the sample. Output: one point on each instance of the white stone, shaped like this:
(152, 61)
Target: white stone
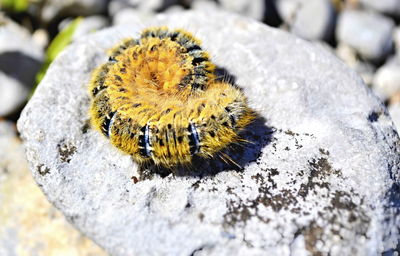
(254, 8)
(320, 175)
(131, 16)
(314, 20)
(385, 6)
(387, 79)
(367, 32)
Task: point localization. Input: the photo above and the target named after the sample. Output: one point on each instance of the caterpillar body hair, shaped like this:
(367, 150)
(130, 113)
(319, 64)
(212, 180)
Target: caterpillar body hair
(157, 99)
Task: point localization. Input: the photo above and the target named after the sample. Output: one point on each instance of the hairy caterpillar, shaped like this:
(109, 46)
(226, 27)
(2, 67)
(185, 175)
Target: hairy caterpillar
(158, 100)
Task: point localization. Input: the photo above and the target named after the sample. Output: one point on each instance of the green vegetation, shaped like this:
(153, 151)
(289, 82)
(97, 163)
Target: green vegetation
(14, 5)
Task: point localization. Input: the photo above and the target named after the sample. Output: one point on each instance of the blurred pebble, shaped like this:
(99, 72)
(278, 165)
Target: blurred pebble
(314, 19)
(254, 8)
(287, 9)
(204, 5)
(13, 94)
(41, 37)
(20, 60)
(391, 7)
(369, 33)
(362, 68)
(174, 8)
(394, 111)
(387, 79)
(86, 26)
(148, 6)
(396, 39)
(131, 16)
(55, 8)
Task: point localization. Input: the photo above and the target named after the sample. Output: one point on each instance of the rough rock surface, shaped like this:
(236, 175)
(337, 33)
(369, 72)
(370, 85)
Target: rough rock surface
(320, 176)
(29, 224)
(369, 33)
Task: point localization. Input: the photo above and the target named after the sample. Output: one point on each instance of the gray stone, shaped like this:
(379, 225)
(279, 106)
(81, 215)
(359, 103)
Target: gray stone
(369, 33)
(320, 176)
(254, 9)
(20, 60)
(391, 7)
(55, 8)
(314, 19)
(387, 79)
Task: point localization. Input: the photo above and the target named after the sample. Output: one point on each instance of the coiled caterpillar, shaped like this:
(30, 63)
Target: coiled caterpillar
(158, 100)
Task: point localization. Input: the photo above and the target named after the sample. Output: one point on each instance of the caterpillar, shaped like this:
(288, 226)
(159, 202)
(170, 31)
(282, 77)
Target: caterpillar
(158, 99)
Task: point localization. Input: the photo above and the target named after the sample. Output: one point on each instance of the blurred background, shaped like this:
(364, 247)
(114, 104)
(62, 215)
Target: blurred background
(364, 34)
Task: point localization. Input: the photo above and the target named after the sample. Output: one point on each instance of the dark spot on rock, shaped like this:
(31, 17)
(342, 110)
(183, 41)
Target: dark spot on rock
(42, 169)
(85, 128)
(342, 200)
(374, 116)
(66, 151)
(201, 216)
(134, 179)
(324, 151)
(289, 132)
(319, 169)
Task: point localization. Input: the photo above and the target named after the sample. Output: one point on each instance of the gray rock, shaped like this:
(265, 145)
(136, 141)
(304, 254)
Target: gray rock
(55, 8)
(384, 6)
(287, 9)
(314, 19)
(320, 176)
(369, 33)
(387, 79)
(20, 60)
(254, 9)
